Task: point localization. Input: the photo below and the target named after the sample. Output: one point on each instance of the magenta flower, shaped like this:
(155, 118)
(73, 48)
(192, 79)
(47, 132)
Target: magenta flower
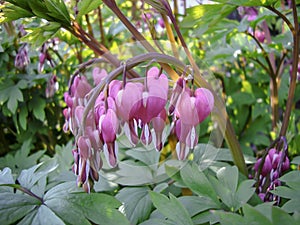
(22, 58)
(275, 163)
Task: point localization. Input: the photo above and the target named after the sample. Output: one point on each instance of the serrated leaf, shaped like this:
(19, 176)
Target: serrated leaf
(15, 95)
(198, 182)
(12, 12)
(137, 203)
(86, 6)
(38, 36)
(178, 214)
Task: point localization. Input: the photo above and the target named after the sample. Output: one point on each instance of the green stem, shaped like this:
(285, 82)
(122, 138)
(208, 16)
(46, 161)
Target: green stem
(292, 88)
(24, 190)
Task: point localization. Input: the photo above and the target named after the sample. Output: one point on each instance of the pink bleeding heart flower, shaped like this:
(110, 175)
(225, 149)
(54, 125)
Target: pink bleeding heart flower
(98, 75)
(204, 103)
(187, 136)
(80, 87)
(114, 87)
(177, 90)
(158, 124)
(109, 126)
(127, 103)
(154, 99)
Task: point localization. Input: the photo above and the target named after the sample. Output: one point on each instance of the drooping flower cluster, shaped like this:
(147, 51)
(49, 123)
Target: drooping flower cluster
(138, 110)
(22, 58)
(275, 163)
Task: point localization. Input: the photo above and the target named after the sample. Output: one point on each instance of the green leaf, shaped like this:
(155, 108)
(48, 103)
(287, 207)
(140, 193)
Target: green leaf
(11, 93)
(37, 105)
(197, 204)
(23, 117)
(147, 156)
(228, 177)
(100, 208)
(198, 182)
(86, 6)
(15, 206)
(58, 11)
(171, 208)
(254, 217)
(28, 178)
(133, 173)
(157, 222)
(292, 179)
(12, 12)
(281, 217)
(45, 216)
(38, 36)
(6, 178)
(227, 218)
(137, 203)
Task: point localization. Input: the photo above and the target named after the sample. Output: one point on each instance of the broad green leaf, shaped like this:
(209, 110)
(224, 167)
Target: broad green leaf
(15, 206)
(206, 217)
(29, 177)
(171, 208)
(148, 156)
(157, 222)
(37, 105)
(197, 204)
(281, 217)
(136, 203)
(100, 208)
(46, 216)
(253, 216)
(228, 218)
(286, 192)
(23, 117)
(197, 181)
(133, 173)
(292, 206)
(292, 179)
(244, 192)
(6, 178)
(296, 160)
(86, 6)
(228, 177)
